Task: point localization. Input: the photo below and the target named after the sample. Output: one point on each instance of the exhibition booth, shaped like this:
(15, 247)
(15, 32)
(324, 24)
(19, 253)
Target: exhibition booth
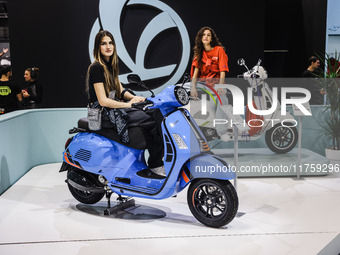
(275, 211)
(245, 165)
(34, 137)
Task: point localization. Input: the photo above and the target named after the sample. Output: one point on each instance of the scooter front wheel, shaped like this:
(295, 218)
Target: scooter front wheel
(281, 139)
(214, 203)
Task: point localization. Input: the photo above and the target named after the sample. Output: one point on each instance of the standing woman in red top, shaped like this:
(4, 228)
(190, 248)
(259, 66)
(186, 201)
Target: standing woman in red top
(210, 60)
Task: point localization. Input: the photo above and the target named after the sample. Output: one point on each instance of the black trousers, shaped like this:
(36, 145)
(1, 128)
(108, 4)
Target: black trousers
(150, 121)
(155, 144)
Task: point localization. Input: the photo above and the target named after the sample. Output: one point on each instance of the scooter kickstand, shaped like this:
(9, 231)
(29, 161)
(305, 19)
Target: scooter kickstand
(124, 204)
(108, 197)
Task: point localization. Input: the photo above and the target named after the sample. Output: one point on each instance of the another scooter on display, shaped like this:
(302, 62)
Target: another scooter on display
(279, 138)
(98, 164)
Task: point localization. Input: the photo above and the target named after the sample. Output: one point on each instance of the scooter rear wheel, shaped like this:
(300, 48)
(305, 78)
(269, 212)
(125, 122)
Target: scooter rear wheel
(85, 197)
(214, 203)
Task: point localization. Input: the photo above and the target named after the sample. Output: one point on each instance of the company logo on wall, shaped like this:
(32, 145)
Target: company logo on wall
(111, 15)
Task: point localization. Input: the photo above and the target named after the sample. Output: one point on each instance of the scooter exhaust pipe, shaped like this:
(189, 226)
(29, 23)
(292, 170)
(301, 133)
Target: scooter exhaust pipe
(84, 182)
(83, 188)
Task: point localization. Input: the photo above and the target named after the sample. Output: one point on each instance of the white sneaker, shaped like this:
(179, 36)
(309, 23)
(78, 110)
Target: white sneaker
(158, 170)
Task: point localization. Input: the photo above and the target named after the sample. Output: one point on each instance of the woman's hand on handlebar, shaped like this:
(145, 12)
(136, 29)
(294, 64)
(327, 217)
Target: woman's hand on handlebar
(142, 105)
(136, 99)
(140, 99)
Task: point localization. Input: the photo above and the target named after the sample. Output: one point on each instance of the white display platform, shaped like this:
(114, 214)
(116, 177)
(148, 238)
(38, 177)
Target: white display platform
(39, 216)
(263, 162)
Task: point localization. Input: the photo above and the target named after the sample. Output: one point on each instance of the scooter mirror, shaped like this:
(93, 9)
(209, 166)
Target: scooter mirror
(241, 62)
(186, 78)
(134, 78)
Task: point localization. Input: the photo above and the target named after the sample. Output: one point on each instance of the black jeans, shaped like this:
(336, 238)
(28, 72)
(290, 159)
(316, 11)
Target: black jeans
(155, 144)
(150, 121)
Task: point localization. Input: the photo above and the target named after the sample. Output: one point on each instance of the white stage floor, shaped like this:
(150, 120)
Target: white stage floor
(38, 215)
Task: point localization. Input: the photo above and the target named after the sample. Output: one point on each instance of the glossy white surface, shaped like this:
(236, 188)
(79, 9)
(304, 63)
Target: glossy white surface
(38, 215)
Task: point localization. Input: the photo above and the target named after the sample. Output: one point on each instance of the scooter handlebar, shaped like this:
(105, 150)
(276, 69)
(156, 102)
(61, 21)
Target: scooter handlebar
(247, 75)
(142, 105)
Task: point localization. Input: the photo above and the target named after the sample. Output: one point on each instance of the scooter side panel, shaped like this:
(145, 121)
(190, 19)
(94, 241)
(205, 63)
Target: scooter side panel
(99, 155)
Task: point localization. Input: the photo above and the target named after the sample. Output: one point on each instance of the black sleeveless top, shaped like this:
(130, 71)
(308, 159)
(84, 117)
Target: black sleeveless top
(96, 75)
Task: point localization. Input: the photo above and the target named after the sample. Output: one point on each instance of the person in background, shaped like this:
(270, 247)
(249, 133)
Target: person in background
(209, 66)
(210, 60)
(333, 68)
(4, 51)
(10, 93)
(33, 92)
(313, 70)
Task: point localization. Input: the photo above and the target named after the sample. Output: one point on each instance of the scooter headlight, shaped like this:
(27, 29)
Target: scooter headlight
(181, 95)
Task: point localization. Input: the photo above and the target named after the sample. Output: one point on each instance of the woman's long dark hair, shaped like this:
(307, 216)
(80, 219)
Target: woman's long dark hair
(111, 78)
(199, 48)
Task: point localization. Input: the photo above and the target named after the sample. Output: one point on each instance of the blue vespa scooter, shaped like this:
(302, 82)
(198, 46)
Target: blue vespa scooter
(98, 164)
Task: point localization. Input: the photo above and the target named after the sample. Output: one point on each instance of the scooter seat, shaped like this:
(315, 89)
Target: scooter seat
(138, 135)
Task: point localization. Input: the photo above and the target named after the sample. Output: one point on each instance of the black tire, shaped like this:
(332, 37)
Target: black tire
(85, 197)
(214, 203)
(281, 139)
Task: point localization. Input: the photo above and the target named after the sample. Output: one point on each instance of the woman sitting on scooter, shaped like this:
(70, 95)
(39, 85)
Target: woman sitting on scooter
(105, 90)
(210, 60)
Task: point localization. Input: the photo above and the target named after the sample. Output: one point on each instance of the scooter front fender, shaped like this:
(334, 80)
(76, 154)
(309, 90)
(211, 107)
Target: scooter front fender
(210, 166)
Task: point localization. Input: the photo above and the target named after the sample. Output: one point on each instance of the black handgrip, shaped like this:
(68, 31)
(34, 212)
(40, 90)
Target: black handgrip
(141, 105)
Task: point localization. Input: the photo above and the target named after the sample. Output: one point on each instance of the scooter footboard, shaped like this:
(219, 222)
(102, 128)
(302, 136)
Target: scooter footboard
(210, 166)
